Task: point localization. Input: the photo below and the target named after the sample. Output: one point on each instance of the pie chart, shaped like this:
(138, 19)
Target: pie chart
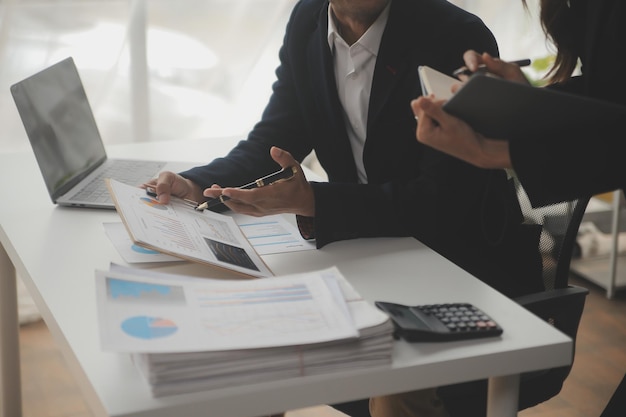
(144, 327)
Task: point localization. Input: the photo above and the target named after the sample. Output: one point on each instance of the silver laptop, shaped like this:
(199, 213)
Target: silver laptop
(65, 139)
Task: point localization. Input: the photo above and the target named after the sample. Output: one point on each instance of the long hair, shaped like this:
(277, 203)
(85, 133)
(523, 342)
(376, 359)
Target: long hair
(558, 26)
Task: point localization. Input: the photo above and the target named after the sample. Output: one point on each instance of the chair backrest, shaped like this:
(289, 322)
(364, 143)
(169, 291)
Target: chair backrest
(560, 223)
(562, 305)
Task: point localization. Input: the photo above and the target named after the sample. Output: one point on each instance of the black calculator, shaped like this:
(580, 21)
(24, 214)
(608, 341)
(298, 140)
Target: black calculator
(439, 322)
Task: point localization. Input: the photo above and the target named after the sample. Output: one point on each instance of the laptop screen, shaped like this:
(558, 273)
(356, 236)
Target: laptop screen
(60, 125)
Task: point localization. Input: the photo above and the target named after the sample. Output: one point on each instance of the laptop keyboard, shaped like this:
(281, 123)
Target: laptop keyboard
(129, 172)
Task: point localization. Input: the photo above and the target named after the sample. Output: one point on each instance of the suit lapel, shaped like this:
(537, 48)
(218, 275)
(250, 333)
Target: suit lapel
(324, 87)
(391, 64)
(322, 74)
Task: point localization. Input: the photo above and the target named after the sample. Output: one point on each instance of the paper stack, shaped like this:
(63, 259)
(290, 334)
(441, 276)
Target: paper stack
(188, 334)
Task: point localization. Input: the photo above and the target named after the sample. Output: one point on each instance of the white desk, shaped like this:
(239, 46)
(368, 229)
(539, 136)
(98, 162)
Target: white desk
(55, 250)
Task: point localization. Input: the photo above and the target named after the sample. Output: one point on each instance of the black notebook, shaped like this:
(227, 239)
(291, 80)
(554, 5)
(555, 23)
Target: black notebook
(504, 109)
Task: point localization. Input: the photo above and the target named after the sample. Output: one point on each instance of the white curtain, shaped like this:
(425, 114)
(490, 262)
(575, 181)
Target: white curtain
(517, 30)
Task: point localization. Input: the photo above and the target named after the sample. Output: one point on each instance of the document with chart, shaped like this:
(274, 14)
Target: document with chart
(285, 327)
(179, 230)
(139, 313)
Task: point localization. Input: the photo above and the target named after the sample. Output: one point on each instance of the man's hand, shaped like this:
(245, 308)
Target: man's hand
(292, 196)
(171, 184)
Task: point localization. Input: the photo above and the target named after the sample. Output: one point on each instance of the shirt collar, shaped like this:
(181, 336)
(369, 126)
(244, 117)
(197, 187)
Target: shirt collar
(370, 39)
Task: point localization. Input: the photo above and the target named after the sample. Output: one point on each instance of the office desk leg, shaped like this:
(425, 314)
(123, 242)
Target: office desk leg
(503, 396)
(10, 381)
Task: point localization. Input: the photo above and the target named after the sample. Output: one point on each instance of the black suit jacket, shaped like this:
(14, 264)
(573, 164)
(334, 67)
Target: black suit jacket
(591, 160)
(465, 213)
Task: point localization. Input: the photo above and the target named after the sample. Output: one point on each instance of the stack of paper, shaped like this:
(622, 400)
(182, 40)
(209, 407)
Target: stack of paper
(188, 334)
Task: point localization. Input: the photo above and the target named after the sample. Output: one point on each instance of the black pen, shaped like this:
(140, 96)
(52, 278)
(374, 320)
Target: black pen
(284, 174)
(481, 68)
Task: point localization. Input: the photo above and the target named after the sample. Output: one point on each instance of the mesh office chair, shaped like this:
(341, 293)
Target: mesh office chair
(560, 304)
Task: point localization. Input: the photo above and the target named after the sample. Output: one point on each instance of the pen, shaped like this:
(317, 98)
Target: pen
(284, 174)
(151, 192)
(481, 68)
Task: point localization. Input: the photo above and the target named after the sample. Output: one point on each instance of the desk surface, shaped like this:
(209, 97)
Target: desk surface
(55, 250)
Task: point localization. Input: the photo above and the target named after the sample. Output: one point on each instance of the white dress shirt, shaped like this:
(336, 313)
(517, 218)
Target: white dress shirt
(354, 70)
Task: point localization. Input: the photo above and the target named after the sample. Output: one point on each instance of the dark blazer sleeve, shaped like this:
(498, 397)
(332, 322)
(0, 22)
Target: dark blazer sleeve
(585, 161)
(577, 163)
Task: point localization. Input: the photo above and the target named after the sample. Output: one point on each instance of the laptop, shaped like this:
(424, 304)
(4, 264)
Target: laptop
(64, 136)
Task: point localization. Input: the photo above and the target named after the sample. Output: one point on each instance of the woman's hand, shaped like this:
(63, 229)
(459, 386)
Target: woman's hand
(451, 135)
(494, 66)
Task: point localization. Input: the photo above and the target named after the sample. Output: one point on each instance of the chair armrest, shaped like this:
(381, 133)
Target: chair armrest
(544, 296)
(561, 307)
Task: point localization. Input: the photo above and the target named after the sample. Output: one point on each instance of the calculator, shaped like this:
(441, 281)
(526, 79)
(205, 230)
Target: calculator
(439, 322)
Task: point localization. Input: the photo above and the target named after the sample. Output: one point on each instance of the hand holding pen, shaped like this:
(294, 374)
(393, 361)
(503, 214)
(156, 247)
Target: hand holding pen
(483, 68)
(284, 174)
(485, 63)
(292, 194)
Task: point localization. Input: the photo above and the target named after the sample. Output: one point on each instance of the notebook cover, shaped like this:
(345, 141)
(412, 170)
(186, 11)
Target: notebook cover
(502, 109)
